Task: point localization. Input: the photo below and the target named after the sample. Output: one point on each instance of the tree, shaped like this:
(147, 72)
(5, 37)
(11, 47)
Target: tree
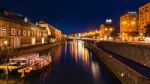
(147, 33)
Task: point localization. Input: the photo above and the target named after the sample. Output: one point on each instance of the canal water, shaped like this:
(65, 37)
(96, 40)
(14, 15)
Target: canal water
(72, 63)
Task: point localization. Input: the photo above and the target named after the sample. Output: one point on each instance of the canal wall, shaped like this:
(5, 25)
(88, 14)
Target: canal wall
(30, 49)
(124, 73)
(135, 52)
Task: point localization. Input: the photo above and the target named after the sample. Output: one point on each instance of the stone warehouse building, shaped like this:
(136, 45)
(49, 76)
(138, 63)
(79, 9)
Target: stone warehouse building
(18, 31)
(54, 34)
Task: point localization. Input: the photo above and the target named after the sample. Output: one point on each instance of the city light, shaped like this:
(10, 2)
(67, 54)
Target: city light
(6, 42)
(95, 49)
(124, 22)
(133, 22)
(108, 20)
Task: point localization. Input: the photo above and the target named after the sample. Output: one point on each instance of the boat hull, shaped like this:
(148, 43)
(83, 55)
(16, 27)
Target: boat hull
(35, 72)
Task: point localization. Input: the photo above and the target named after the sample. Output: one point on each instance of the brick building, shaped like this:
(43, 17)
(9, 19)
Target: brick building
(18, 31)
(54, 34)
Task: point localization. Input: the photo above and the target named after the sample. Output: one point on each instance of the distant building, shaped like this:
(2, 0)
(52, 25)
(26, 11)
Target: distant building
(102, 30)
(18, 31)
(54, 34)
(129, 24)
(106, 29)
(144, 17)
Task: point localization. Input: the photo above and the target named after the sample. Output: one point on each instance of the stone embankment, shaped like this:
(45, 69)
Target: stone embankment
(124, 73)
(136, 52)
(30, 49)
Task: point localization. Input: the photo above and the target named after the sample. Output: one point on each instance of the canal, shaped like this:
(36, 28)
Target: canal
(72, 63)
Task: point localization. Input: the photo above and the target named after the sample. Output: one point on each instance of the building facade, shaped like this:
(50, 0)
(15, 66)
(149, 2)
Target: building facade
(54, 34)
(102, 30)
(129, 25)
(106, 29)
(18, 31)
(144, 17)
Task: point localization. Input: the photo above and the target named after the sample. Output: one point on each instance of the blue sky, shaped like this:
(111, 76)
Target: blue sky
(72, 16)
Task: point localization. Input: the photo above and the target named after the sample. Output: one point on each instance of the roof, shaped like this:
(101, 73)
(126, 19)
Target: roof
(148, 2)
(42, 22)
(50, 26)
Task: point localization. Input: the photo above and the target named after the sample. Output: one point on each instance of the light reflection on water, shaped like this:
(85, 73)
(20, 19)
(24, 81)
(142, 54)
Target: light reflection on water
(79, 53)
(71, 62)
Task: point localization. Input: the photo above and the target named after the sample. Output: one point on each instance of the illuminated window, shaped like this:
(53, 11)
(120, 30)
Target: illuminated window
(32, 33)
(19, 32)
(35, 34)
(39, 33)
(24, 33)
(3, 31)
(45, 34)
(29, 33)
(13, 32)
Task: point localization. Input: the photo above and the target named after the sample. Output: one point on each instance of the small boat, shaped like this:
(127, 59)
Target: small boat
(25, 63)
(37, 65)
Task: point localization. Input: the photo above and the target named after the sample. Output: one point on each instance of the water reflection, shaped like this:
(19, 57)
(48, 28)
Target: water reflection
(56, 52)
(72, 64)
(83, 57)
(79, 53)
(95, 71)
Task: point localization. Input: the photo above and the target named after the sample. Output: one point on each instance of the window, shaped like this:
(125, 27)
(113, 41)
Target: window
(44, 34)
(19, 32)
(38, 34)
(35, 34)
(24, 33)
(32, 33)
(29, 33)
(3, 31)
(13, 32)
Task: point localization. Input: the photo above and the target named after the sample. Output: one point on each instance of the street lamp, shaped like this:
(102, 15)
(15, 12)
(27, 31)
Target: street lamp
(6, 42)
(106, 29)
(110, 29)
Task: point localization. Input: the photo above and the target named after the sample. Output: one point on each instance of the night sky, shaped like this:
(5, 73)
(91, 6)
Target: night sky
(72, 16)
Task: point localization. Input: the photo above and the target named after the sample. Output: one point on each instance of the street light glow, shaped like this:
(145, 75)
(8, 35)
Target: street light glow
(5, 42)
(108, 21)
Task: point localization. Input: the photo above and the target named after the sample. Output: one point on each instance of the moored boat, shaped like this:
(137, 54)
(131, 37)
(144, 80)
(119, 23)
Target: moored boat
(27, 62)
(37, 65)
